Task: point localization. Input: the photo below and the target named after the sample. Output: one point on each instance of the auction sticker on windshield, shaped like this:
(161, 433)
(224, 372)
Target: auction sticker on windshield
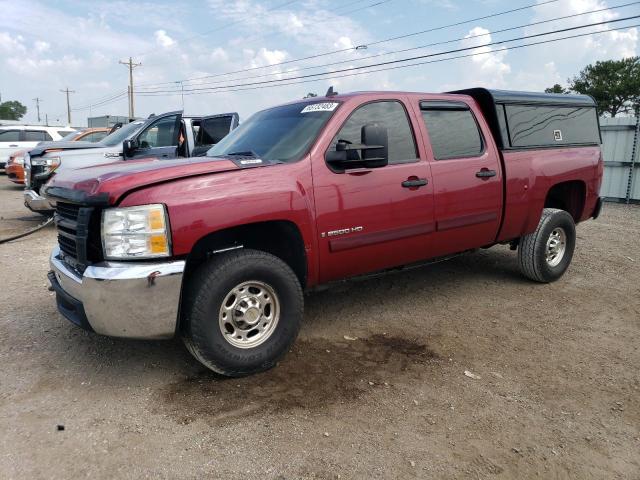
(320, 107)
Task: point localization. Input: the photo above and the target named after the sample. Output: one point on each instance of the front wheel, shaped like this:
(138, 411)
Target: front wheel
(243, 311)
(545, 254)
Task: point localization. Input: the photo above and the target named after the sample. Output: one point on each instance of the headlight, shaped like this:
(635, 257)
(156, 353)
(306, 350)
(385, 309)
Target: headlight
(50, 163)
(18, 160)
(135, 232)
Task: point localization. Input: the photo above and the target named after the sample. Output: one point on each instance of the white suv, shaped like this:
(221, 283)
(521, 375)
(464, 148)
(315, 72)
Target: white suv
(20, 137)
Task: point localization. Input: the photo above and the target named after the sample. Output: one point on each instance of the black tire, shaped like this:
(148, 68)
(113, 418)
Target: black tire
(532, 250)
(209, 287)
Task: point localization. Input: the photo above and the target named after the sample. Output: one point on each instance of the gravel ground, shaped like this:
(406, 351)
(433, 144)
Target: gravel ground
(556, 393)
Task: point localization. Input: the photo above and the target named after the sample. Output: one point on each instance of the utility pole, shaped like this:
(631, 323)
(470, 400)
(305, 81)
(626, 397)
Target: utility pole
(37, 100)
(131, 66)
(182, 92)
(67, 91)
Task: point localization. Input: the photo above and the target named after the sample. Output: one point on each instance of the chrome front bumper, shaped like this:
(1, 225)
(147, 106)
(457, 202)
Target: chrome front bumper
(35, 202)
(120, 299)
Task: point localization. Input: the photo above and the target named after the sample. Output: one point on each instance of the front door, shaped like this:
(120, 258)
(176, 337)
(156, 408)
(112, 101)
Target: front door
(467, 178)
(211, 130)
(369, 219)
(160, 139)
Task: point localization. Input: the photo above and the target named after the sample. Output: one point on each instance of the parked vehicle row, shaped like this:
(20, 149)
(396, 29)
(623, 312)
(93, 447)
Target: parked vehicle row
(219, 249)
(15, 165)
(21, 137)
(162, 137)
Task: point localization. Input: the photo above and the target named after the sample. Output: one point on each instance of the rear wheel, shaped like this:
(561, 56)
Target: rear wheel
(545, 254)
(243, 311)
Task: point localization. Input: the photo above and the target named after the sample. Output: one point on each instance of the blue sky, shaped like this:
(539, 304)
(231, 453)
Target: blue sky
(47, 46)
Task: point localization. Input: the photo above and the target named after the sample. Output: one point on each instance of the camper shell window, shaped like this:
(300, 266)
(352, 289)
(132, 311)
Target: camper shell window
(521, 120)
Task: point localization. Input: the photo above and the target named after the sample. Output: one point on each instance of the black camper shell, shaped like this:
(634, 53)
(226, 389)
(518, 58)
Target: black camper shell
(524, 120)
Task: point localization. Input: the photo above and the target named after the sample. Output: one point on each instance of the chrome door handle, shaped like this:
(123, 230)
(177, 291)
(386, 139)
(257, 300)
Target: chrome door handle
(415, 183)
(486, 173)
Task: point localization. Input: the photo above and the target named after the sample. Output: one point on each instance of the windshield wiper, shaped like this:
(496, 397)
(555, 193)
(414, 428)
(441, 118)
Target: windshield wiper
(246, 153)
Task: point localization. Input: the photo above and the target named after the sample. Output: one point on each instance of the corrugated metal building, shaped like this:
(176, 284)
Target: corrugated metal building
(621, 152)
(106, 121)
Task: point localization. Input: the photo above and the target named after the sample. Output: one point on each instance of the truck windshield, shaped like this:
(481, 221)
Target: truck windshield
(278, 134)
(122, 133)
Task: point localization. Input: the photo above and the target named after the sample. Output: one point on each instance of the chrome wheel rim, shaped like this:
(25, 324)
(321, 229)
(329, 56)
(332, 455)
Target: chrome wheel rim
(249, 314)
(556, 246)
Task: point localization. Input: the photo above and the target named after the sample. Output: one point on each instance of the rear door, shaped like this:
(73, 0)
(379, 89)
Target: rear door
(33, 137)
(210, 130)
(369, 219)
(161, 139)
(9, 143)
(467, 177)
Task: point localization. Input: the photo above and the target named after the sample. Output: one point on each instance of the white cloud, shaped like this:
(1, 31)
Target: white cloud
(39, 67)
(610, 45)
(264, 57)
(219, 55)
(41, 46)
(10, 44)
(489, 67)
(163, 40)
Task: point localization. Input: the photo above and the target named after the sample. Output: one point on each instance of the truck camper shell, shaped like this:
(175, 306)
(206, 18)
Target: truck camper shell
(523, 120)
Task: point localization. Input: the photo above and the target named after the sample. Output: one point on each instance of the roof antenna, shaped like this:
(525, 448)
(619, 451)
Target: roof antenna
(330, 92)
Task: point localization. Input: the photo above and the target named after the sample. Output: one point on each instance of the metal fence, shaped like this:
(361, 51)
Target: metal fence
(621, 151)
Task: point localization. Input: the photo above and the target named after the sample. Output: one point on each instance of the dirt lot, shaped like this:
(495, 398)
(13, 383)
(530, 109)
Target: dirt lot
(557, 395)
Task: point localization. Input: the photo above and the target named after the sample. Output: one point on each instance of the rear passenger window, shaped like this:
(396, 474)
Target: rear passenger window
(213, 130)
(36, 136)
(388, 114)
(452, 130)
(537, 126)
(9, 136)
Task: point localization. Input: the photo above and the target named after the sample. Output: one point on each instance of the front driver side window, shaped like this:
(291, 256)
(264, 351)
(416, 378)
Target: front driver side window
(388, 114)
(159, 134)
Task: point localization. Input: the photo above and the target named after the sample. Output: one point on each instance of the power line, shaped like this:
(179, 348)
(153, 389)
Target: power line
(402, 60)
(397, 67)
(152, 89)
(345, 12)
(106, 101)
(98, 101)
(333, 52)
(101, 101)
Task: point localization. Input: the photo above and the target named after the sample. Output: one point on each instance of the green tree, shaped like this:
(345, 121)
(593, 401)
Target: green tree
(615, 84)
(557, 88)
(12, 110)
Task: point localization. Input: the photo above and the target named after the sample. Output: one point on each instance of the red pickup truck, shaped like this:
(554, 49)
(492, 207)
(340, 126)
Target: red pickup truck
(219, 249)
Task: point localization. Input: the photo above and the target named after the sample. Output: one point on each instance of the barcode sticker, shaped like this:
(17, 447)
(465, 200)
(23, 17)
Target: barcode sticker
(320, 107)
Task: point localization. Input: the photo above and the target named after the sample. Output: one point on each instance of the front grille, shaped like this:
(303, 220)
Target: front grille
(72, 222)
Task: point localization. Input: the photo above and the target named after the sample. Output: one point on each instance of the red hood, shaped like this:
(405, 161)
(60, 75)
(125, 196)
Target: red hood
(118, 178)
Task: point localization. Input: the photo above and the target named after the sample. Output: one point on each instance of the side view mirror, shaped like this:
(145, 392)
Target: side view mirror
(372, 152)
(377, 153)
(129, 147)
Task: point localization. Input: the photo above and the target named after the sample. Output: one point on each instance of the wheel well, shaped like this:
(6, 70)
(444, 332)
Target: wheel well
(280, 238)
(568, 196)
